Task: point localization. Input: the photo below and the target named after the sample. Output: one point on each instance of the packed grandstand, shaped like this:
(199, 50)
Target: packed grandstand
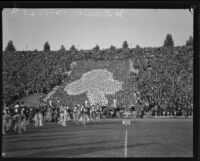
(86, 85)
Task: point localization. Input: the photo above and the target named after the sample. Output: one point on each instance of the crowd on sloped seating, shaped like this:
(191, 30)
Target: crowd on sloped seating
(167, 81)
(165, 78)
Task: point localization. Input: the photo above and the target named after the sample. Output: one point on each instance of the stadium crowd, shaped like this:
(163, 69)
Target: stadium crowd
(164, 82)
(28, 72)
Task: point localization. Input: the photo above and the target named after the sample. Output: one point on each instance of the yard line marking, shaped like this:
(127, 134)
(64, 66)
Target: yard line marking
(125, 150)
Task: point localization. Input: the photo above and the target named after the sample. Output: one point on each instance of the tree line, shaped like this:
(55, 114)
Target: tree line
(168, 42)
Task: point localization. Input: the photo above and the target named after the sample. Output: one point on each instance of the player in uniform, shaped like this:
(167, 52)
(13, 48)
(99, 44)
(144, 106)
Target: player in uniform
(14, 117)
(36, 117)
(23, 117)
(60, 118)
(75, 114)
(67, 114)
(48, 114)
(83, 115)
(86, 115)
(98, 113)
(27, 114)
(87, 111)
(92, 114)
(79, 114)
(64, 116)
(4, 121)
(40, 117)
(17, 119)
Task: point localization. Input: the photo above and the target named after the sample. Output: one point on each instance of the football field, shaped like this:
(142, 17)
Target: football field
(145, 138)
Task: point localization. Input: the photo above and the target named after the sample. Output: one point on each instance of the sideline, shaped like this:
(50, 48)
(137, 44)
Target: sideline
(146, 119)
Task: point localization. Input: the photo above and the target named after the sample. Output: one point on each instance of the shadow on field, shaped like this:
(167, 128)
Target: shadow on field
(39, 135)
(59, 131)
(40, 138)
(65, 146)
(71, 130)
(109, 122)
(75, 152)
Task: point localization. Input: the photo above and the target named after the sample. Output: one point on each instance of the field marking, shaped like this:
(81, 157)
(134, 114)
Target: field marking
(126, 139)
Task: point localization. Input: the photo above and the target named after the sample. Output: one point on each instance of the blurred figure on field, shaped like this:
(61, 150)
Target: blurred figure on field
(23, 116)
(17, 118)
(68, 113)
(36, 116)
(6, 120)
(40, 115)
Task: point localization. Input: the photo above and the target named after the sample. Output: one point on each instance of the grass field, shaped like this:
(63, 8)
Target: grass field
(146, 138)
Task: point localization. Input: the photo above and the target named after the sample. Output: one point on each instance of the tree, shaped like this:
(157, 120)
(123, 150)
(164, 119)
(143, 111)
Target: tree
(168, 41)
(137, 46)
(10, 47)
(73, 48)
(46, 46)
(125, 45)
(62, 48)
(96, 52)
(112, 48)
(96, 48)
(189, 42)
(73, 52)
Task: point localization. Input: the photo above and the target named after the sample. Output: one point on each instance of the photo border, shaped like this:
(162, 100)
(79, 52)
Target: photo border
(133, 5)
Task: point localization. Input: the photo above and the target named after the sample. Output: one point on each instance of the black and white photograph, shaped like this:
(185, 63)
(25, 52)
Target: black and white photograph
(97, 83)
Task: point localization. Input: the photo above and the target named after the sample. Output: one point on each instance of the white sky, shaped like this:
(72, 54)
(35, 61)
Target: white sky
(85, 28)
